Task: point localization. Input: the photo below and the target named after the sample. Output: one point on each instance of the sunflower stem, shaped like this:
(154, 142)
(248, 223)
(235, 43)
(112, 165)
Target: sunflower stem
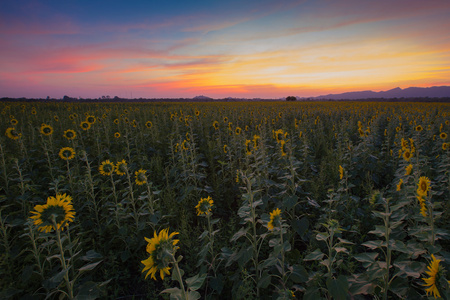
(63, 260)
(180, 279)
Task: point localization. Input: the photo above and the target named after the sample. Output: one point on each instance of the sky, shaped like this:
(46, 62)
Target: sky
(244, 49)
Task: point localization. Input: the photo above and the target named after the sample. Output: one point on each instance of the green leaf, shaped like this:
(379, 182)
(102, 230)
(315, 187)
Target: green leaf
(411, 268)
(338, 288)
(239, 234)
(322, 236)
(341, 249)
(373, 244)
(379, 231)
(300, 226)
(175, 293)
(367, 258)
(194, 295)
(290, 201)
(216, 283)
(264, 281)
(195, 282)
(89, 266)
(298, 274)
(58, 277)
(89, 291)
(315, 255)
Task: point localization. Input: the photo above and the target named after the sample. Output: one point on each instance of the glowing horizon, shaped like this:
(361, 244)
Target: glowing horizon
(255, 49)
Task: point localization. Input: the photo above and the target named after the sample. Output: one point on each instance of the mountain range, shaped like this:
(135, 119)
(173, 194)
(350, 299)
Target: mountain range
(411, 92)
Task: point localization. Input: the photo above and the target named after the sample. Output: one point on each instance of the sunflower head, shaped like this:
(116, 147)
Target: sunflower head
(148, 124)
(248, 149)
(283, 148)
(46, 129)
(85, 125)
(407, 154)
(67, 153)
(341, 172)
(184, 145)
(121, 167)
(279, 134)
(275, 219)
(445, 146)
(91, 119)
(419, 128)
(13, 122)
(404, 143)
(225, 149)
(58, 211)
(216, 125)
(70, 134)
(399, 185)
(140, 177)
(204, 206)
(443, 135)
(161, 249)
(12, 133)
(238, 130)
(408, 170)
(117, 135)
(256, 142)
(423, 186)
(106, 168)
(435, 272)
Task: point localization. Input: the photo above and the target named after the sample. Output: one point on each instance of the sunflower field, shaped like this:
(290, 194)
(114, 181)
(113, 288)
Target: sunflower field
(224, 200)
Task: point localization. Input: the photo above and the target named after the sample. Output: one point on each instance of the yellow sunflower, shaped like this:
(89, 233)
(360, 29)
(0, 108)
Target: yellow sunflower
(275, 219)
(140, 177)
(238, 130)
(279, 134)
(216, 125)
(341, 172)
(434, 273)
(162, 248)
(148, 124)
(14, 122)
(12, 133)
(46, 129)
(248, 151)
(443, 135)
(404, 143)
(408, 170)
(106, 168)
(70, 134)
(184, 145)
(225, 119)
(423, 186)
(255, 140)
(225, 149)
(399, 185)
(58, 208)
(419, 128)
(283, 148)
(121, 167)
(445, 146)
(407, 154)
(67, 153)
(116, 121)
(85, 125)
(117, 135)
(204, 206)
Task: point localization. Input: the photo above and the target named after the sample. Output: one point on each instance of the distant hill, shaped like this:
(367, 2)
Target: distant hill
(411, 92)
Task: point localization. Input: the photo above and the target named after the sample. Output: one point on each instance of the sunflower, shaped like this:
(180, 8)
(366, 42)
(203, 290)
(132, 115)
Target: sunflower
(445, 146)
(116, 121)
(66, 153)
(408, 170)
(225, 119)
(225, 149)
(13, 122)
(117, 135)
(70, 134)
(33, 111)
(283, 148)
(247, 147)
(162, 248)
(106, 168)
(279, 135)
(204, 206)
(423, 186)
(91, 119)
(341, 172)
(407, 154)
(361, 133)
(419, 128)
(255, 140)
(404, 143)
(423, 206)
(216, 125)
(434, 273)
(176, 147)
(197, 113)
(140, 177)
(121, 167)
(71, 117)
(57, 208)
(148, 124)
(397, 129)
(85, 125)
(399, 185)
(12, 133)
(184, 145)
(134, 123)
(275, 219)
(56, 118)
(46, 129)
(443, 135)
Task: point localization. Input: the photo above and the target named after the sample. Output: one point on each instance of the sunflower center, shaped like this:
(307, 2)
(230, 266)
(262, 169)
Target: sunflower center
(423, 186)
(57, 211)
(69, 134)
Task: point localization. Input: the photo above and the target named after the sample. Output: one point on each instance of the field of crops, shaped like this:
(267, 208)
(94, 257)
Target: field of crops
(261, 200)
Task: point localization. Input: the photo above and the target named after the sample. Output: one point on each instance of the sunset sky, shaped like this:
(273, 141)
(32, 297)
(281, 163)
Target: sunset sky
(257, 48)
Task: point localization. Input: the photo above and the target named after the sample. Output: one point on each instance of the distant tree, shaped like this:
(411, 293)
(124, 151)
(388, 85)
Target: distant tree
(66, 97)
(291, 98)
